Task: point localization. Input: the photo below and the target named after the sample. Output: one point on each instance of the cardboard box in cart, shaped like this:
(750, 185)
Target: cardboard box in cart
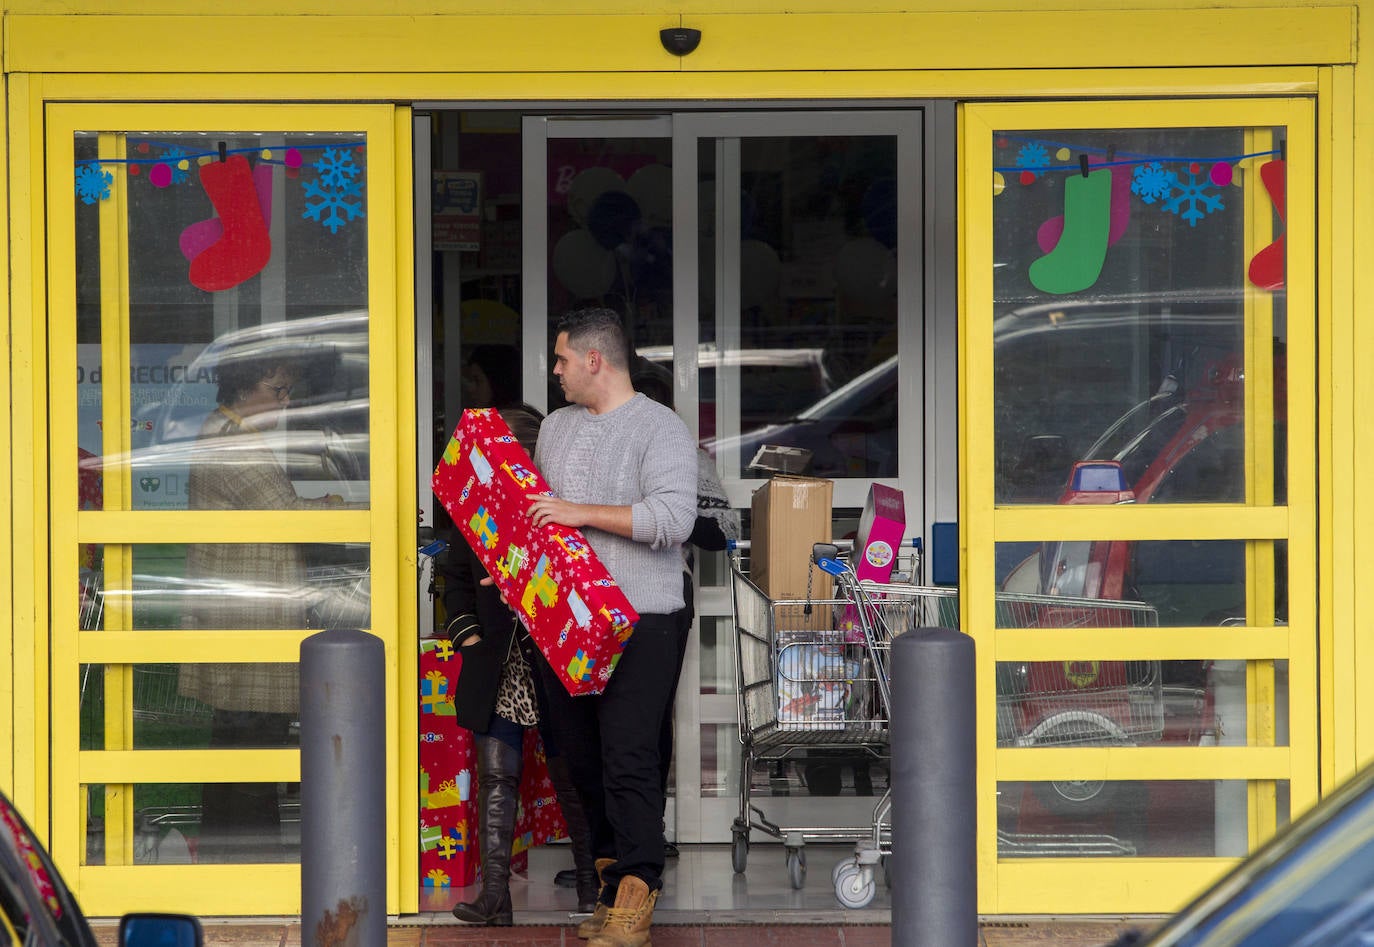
(790, 515)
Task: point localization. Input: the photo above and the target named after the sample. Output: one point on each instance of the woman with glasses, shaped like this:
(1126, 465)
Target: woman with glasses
(238, 586)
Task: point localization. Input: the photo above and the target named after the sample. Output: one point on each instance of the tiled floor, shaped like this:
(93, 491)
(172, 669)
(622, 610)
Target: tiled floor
(704, 904)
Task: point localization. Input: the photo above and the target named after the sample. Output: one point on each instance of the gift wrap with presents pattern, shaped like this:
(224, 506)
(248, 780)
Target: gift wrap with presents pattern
(575, 612)
(449, 853)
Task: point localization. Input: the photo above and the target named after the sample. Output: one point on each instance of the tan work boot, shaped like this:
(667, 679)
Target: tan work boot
(593, 924)
(627, 924)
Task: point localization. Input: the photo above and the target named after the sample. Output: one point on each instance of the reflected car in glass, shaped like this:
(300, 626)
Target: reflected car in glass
(320, 439)
(37, 908)
(771, 382)
(850, 432)
(1177, 446)
(1312, 885)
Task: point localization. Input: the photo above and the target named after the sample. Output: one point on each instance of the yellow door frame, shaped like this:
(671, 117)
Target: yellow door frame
(213, 889)
(49, 58)
(1025, 885)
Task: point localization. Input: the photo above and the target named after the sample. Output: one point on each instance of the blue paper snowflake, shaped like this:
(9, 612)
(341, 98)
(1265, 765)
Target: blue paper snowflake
(1032, 156)
(336, 167)
(173, 157)
(1192, 202)
(333, 188)
(1150, 182)
(92, 184)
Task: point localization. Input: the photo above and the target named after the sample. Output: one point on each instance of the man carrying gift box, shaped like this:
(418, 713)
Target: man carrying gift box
(623, 470)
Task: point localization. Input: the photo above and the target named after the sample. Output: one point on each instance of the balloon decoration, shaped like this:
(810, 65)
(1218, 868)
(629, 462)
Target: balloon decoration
(613, 218)
(624, 242)
(760, 272)
(581, 264)
(652, 188)
(865, 270)
(587, 187)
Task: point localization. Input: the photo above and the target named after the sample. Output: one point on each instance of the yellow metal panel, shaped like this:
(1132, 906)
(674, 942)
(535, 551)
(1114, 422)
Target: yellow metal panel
(1128, 644)
(1140, 521)
(118, 684)
(629, 42)
(189, 766)
(1301, 322)
(592, 7)
(213, 889)
(976, 538)
(188, 647)
(1337, 633)
(346, 44)
(1028, 38)
(723, 86)
(403, 765)
(7, 598)
(1110, 886)
(1352, 495)
(198, 526)
(29, 418)
(1143, 762)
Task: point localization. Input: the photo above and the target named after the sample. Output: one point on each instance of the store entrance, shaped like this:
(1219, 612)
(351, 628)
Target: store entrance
(770, 269)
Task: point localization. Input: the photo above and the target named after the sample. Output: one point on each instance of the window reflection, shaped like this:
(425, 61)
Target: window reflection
(1096, 818)
(328, 587)
(239, 248)
(1120, 326)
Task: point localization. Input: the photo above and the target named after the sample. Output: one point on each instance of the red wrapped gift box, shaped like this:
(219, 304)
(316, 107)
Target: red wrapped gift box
(575, 612)
(449, 815)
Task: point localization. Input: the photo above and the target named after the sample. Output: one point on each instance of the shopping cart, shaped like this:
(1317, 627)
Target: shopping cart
(1077, 702)
(813, 675)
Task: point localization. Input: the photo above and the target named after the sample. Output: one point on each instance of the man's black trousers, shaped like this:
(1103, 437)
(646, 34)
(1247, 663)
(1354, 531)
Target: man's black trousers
(611, 743)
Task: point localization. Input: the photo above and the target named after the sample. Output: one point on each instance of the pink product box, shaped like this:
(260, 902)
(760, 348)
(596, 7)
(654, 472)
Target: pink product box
(881, 531)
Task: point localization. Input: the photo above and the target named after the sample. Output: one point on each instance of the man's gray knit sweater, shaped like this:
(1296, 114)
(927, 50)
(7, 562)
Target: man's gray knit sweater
(642, 456)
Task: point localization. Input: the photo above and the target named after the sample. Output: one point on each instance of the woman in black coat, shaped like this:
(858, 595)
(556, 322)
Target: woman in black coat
(497, 699)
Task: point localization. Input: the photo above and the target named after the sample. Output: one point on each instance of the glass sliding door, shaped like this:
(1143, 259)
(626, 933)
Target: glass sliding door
(216, 372)
(1140, 376)
(769, 268)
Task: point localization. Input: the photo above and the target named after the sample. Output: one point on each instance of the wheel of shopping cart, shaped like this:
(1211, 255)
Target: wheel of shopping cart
(1078, 798)
(796, 868)
(739, 847)
(855, 885)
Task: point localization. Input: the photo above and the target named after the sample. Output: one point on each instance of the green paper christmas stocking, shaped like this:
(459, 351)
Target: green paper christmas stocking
(1076, 260)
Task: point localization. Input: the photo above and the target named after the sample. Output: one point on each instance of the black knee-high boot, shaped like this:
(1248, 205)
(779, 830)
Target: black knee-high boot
(579, 834)
(498, 797)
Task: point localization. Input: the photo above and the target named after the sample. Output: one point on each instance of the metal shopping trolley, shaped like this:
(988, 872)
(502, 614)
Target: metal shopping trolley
(1076, 702)
(813, 675)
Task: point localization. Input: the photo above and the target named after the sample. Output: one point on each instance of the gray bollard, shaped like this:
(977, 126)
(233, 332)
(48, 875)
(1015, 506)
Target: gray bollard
(343, 789)
(934, 805)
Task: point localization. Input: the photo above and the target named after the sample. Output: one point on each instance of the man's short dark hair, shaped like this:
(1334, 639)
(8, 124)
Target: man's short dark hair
(601, 329)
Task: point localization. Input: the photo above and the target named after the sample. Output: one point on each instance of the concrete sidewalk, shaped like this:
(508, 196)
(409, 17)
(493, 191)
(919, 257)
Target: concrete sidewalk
(430, 931)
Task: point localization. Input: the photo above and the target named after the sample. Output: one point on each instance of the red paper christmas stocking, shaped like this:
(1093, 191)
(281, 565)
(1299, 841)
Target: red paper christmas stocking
(1266, 266)
(245, 247)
